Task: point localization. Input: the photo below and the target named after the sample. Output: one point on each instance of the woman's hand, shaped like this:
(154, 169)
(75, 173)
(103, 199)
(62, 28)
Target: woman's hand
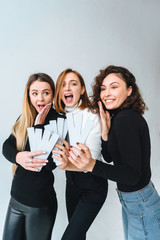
(82, 159)
(63, 154)
(40, 119)
(27, 160)
(105, 121)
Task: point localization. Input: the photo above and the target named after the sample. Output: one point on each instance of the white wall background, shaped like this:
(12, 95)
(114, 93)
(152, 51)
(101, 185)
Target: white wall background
(86, 35)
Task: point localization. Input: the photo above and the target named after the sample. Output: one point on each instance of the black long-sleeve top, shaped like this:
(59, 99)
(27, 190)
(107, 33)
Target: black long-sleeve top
(34, 189)
(128, 147)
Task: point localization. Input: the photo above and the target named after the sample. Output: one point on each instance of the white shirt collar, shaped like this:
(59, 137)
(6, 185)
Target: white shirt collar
(74, 109)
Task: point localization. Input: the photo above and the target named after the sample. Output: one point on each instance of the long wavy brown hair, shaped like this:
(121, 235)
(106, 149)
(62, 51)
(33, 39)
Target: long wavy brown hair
(134, 101)
(58, 103)
(27, 118)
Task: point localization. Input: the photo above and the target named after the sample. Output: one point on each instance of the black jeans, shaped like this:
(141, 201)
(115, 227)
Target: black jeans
(28, 223)
(84, 199)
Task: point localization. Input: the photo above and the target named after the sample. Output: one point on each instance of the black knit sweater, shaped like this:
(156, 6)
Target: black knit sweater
(34, 189)
(128, 146)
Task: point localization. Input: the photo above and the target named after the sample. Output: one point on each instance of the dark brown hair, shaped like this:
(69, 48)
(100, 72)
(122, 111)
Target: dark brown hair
(59, 105)
(134, 101)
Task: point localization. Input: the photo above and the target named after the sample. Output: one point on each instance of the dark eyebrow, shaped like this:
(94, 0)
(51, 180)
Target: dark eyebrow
(110, 84)
(35, 90)
(114, 83)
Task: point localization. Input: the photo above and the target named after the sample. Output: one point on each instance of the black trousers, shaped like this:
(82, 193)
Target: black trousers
(85, 195)
(28, 223)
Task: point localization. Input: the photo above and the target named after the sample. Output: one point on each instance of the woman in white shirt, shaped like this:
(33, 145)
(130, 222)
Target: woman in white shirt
(85, 193)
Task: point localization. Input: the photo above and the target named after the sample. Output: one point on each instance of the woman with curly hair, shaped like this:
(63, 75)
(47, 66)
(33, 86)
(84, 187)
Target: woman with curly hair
(126, 143)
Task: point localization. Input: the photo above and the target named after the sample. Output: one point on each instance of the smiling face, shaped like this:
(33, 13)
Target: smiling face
(40, 94)
(114, 91)
(71, 90)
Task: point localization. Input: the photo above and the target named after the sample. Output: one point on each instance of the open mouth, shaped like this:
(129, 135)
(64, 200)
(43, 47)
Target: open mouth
(41, 106)
(68, 98)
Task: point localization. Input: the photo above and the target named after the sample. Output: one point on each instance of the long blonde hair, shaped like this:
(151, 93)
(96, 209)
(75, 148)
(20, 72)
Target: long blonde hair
(27, 118)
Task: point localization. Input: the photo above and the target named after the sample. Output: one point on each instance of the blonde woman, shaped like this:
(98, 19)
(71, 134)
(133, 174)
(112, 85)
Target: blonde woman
(33, 204)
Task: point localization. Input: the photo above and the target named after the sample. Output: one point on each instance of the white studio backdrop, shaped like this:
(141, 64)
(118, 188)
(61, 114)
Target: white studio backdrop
(86, 35)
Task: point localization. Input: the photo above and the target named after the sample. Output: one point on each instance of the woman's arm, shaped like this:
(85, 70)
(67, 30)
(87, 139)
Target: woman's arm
(105, 153)
(22, 158)
(84, 161)
(9, 149)
(126, 153)
(93, 141)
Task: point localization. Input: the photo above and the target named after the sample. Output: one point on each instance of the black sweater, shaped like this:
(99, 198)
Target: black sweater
(128, 146)
(34, 189)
